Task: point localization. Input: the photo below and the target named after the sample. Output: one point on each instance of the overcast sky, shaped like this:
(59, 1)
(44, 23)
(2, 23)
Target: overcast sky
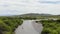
(15, 7)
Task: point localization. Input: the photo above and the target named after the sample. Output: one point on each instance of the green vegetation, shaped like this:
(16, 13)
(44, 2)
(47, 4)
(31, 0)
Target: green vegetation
(51, 26)
(9, 24)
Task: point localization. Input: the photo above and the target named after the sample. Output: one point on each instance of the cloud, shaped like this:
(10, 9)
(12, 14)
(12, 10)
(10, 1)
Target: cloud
(28, 6)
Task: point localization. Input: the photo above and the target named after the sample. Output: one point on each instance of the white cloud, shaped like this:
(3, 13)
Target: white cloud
(28, 6)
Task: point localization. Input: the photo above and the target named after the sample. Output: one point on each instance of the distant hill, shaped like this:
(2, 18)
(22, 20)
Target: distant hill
(31, 15)
(35, 14)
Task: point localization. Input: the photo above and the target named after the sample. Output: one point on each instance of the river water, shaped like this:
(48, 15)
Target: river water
(29, 27)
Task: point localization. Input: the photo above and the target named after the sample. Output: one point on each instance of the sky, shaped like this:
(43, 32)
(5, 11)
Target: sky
(17, 7)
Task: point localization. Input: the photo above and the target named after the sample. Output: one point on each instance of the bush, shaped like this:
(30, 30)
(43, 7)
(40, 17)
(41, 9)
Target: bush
(9, 24)
(51, 27)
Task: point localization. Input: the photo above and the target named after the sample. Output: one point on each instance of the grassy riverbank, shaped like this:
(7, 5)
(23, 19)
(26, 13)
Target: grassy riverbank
(51, 26)
(9, 24)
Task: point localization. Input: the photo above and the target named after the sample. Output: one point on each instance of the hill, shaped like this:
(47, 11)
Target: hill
(35, 14)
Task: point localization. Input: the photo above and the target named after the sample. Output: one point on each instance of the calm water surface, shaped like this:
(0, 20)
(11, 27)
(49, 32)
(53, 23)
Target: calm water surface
(29, 27)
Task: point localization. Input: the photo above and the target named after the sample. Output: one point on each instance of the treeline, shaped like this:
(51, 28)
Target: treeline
(51, 26)
(39, 17)
(9, 24)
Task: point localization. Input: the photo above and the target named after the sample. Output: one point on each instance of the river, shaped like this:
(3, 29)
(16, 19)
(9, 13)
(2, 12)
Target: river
(29, 27)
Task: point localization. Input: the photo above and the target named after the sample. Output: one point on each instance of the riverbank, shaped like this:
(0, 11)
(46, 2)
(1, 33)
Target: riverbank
(9, 24)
